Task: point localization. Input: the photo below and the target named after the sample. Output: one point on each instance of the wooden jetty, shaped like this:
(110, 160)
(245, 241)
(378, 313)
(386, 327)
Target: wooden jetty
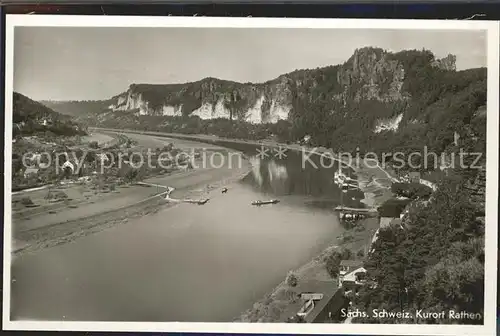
(357, 210)
(274, 201)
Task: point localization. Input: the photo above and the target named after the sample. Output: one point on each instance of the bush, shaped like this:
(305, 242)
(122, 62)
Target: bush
(26, 201)
(94, 145)
(360, 254)
(332, 261)
(292, 280)
(411, 190)
(168, 148)
(392, 208)
(57, 195)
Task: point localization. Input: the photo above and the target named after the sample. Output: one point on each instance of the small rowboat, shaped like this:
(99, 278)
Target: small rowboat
(274, 201)
(199, 202)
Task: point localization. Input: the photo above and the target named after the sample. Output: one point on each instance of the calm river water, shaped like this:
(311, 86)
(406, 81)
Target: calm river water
(187, 263)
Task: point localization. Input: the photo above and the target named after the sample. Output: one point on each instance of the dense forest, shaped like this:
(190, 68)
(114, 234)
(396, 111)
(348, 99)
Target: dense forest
(436, 263)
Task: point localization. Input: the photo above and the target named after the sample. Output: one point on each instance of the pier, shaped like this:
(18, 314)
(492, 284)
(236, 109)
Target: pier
(356, 210)
(166, 194)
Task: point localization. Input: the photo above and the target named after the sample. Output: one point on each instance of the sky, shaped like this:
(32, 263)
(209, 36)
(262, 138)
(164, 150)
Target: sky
(87, 63)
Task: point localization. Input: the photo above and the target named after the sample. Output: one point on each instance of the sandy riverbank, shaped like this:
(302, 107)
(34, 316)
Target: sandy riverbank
(40, 232)
(282, 302)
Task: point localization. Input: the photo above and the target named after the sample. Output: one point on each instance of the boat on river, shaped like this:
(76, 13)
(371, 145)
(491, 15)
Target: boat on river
(199, 202)
(258, 203)
(341, 179)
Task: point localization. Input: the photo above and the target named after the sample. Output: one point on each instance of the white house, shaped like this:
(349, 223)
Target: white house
(69, 165)
(30, 172)
(351, 274)
(347, 266)
(102, 157)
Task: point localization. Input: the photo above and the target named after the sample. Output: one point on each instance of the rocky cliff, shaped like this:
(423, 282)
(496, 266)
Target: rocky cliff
(210, 98)
(375, 100)
(370, 74)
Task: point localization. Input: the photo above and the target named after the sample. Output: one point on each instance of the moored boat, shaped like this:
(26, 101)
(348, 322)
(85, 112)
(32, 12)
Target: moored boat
(273, 201)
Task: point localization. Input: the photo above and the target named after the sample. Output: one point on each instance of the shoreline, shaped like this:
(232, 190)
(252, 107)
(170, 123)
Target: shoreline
(273, 300)
(373, 181)
(37, 239)
(296, 148)
(67, 232)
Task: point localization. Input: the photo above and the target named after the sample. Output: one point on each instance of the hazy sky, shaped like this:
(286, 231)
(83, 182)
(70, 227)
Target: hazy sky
(97, 63)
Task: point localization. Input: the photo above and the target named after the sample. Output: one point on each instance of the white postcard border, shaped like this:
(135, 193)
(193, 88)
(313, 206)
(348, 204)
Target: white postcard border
(493, 29)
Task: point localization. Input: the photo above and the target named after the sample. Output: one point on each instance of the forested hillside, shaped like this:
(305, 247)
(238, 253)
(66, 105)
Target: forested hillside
(30, 117)
(376, 101)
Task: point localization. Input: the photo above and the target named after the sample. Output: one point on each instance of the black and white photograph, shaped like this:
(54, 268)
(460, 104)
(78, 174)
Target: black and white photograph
(250, 175)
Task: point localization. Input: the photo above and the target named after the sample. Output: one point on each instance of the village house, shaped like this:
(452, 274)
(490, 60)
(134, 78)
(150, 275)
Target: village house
(414, 177)
(30, 172)
(322, 305)
(102, 157)
(46, 121)
(68, 167)
(351, 275)
(386, 222)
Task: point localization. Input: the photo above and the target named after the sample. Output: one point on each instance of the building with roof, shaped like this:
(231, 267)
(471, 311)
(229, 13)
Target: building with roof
(354, 280)
(414, 177)
(347, 266)
(30, 172)
(385, 222)
(68, 165)
(102, 157)
(320, 302)
(351, 274)
(325, 310)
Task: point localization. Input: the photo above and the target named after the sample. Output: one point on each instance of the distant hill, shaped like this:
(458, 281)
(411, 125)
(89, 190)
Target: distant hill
(77, 108)
(30, 117)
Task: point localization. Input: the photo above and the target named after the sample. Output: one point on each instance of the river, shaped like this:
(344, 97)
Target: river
(188, 263)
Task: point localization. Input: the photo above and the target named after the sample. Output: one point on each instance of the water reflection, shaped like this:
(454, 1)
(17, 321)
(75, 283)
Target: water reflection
(278, 174)
(290, 177)
(256, 171)
(149, 268)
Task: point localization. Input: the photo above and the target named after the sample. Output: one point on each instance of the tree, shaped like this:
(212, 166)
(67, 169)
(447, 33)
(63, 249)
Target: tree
(333, 259)
(392, 208)
(292, 280)
(26, 201)
(67, 172)
(93, 145)
(436, 263)
(411, 190)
